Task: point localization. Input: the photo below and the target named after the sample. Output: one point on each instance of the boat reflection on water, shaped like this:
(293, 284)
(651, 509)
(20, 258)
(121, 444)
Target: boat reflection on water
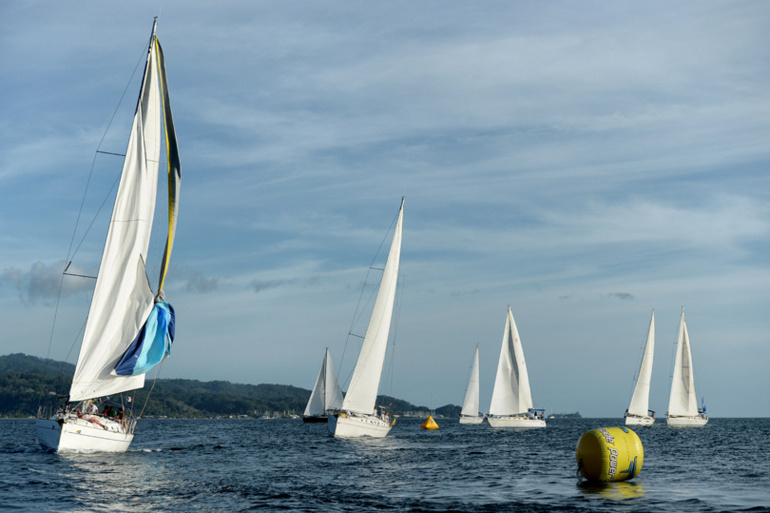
(104, 481)
(617, 491)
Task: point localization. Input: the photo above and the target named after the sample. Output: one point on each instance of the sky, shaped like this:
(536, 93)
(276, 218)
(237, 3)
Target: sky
(583, 162)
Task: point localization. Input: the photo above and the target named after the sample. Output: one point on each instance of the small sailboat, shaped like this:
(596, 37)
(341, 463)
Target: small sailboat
(130, 328)
(683, 408)
(357, 417)
(470, 412)
(511, 404)
(638, 412)
(326, 394)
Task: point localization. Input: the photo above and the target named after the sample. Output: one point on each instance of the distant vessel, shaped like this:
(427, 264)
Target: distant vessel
(326, 393)
(638, 412)
(470, 412)
(511, 404)
(130, 328)
(683, 408)
(357, 416)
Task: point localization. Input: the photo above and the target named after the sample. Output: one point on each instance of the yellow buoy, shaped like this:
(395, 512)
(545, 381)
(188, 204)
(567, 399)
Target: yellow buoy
(609, 454)
(429, 424)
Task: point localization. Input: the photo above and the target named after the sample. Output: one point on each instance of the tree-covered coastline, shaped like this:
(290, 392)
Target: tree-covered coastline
(26, 382)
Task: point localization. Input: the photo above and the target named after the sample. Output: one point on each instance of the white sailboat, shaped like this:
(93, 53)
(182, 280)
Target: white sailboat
(470, 412)
(326, 394)
(358, 416)
(511, 404)
(638, 412)
(130, 328)
(683, 408)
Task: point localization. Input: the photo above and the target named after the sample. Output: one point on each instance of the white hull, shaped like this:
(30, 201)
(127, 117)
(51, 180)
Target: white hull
(516, 422)
(78, 435)
(687, 421)
(639, 420)
(347, 425)
(471, 420)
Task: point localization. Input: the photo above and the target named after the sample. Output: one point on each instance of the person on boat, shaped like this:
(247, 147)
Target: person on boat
(89, 418)
(92, 409)
(120, 417)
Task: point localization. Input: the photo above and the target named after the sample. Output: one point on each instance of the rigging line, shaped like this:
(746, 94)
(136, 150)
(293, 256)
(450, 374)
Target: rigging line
(79, 275)
(70, 254)
(359, 311)
(93, 220)
(111, 153)
(50, 339)
(147, 399)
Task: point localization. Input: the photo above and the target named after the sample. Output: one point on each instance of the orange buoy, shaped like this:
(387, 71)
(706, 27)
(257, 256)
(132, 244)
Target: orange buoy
(609, 454)
(429, 424)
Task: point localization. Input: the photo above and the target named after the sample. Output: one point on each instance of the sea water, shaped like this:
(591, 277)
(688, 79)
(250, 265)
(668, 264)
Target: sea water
(285, 465)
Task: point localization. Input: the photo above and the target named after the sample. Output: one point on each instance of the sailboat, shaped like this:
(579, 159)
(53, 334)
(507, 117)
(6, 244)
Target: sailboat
(638, 412)
(683, 408)
(511, 404)
(357, 417)
(130, 328)
(470, 412)
(326, 394)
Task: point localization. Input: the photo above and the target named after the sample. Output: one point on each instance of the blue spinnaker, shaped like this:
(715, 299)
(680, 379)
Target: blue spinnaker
(153, 343)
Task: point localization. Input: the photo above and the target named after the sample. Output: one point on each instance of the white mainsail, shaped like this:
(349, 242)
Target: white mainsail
(512, 404)
(326, 394)
(471, 402)
(682, 402)
(640, 400)
(511, 394)
(362, 392)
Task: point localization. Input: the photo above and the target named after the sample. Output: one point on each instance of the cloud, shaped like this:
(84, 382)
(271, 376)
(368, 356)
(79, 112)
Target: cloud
(43, 283)
(623, 296)
(262, 285)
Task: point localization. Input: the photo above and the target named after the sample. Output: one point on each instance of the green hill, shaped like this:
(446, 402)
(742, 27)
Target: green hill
(27, 381)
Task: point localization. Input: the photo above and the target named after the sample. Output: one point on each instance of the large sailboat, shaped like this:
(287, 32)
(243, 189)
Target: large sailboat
(683, 408)
(326, 394)
(638, 412)
(470, 412)
(511, 404)
(130, 328)
(357, 417)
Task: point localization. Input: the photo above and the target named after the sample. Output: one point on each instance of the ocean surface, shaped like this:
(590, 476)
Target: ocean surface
(285, 465)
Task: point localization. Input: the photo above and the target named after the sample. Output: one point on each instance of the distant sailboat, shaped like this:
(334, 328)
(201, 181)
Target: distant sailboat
(638, 412)
(683, 408)
(130, 328)
(470, 412)
(358, 417)
(326, 393)
(511, 398)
